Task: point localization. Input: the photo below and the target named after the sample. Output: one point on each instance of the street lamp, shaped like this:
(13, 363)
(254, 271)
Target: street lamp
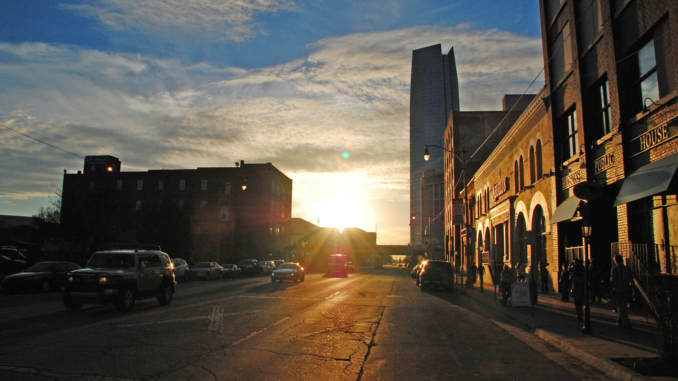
(586, 233)
(462, 160)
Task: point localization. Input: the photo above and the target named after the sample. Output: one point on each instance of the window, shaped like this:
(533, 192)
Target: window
(552, 8)
(284, 194)
(277, 190)
(138, 206)
(571, 146)
(140, 185)
(561, 56)
(224, 213)
(539, 161)
(533, 166)
(604, 119)
(119, 185)
(272, 206)
(182, 184)
(521, 170)
(282, 211)
(203, 203)
(204, 185)
(161, 185)
(516, 177)
(590, 22)
(647, 65)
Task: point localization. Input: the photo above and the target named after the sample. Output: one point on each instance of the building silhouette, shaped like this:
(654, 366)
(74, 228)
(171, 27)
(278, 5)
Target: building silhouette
(434, 94)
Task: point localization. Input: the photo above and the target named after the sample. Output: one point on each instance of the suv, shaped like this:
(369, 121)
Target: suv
(436, 274)
(121, 277)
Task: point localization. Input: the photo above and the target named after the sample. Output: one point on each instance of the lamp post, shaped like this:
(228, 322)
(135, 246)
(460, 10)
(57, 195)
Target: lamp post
(586, 233)
(462, 160)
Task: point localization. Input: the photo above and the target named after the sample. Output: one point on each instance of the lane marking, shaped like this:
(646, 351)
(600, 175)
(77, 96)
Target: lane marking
(259, 331)
(212, 317)
(276, 297)
(335, 294)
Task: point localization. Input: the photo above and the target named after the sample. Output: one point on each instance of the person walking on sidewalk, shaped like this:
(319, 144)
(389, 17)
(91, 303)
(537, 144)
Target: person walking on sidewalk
(481, 276)
(577, 276)
(506, 278)
(565, 284)
(520, 272)
(544, 275)
(620, 281)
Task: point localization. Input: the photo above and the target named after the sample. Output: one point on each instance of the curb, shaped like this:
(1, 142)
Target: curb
(610, 368)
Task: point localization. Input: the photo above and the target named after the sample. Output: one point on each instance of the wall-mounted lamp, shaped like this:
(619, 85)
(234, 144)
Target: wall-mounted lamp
(645, 106)
(586, 231)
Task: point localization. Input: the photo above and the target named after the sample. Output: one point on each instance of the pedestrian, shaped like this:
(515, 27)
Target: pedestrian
(577, 277)
(481, 276)
(544, 275)
(520, 272)
(506, 278)
(620, 281)
(565, 284)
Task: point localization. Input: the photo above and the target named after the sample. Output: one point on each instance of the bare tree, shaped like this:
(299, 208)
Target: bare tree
(52, 213)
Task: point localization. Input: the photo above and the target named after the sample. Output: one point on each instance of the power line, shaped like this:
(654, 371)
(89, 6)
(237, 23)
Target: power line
(43, 142)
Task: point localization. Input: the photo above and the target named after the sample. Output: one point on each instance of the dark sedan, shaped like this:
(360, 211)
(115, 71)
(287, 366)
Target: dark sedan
(43, 276)
(437, 274)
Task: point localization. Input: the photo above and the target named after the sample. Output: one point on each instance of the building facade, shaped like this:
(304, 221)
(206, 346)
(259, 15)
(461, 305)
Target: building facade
(204, 214)
(434, 94)
(611, 72)
(432, 216)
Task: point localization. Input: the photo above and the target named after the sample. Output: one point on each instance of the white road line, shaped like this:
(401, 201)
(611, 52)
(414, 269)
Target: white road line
(211, 317)
(259, 331)
(276, 297)
(335, 294)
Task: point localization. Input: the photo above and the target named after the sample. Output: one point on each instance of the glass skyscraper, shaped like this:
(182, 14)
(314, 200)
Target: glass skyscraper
(434, 94)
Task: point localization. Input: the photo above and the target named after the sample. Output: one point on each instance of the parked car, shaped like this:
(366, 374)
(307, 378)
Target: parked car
(180, 269)
(43, 276)
(121, 277)
(12, 260)
(439, 274)
(415, 272)
(249, 267)
(231, 271)
(278, 262)
(267, 267)
(288, 271)
(206, 270)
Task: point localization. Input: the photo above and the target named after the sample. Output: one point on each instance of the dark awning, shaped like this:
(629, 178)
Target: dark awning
(565, 210)
(648, 180)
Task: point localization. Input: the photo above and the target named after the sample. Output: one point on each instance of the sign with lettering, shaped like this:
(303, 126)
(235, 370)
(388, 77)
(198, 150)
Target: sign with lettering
(604, 163)
(573, 179)
(458, 212)
(500, 188)
(654, 137)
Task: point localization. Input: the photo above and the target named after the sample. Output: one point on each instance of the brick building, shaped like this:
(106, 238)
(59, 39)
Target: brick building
(472, 135)
(511, 196)
(611, 70)
(204, 214)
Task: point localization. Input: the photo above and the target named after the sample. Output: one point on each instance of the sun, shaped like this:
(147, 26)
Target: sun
(342, 212)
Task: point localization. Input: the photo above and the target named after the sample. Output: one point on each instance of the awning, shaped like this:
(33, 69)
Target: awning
(566, 210)
(648, 180)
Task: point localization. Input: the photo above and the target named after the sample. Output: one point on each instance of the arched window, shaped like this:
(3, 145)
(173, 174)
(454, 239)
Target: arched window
(522, 173)
(539, 163)
(516, 177)
(533, 167)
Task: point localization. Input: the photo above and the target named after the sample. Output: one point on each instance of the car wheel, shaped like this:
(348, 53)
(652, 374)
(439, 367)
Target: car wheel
(71, 305)
(126, 301)
(45, 286)
(166, 297)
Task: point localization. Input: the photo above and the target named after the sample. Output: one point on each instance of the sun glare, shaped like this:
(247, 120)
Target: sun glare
(342, 212)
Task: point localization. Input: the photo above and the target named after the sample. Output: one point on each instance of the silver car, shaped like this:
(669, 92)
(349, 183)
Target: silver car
(180, 269)
(206, 271)
(288, 271)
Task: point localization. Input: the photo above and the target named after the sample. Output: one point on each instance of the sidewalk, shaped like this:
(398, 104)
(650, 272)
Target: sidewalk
(556, 322)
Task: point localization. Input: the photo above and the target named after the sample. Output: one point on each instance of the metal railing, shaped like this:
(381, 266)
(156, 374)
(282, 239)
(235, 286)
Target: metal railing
(656, 258)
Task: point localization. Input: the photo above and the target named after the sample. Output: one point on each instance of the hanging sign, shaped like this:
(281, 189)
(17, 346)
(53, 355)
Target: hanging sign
(458, 212)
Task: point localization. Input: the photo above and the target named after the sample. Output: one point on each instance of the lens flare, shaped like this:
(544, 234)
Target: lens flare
(346, 155)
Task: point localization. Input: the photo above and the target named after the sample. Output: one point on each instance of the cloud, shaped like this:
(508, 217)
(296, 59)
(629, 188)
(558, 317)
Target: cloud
(228, 20)
(350, 94)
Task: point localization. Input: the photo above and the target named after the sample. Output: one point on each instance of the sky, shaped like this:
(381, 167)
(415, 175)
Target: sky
(318, 88)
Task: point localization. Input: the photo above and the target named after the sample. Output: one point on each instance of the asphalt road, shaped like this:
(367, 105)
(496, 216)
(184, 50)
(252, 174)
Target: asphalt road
(369, 326)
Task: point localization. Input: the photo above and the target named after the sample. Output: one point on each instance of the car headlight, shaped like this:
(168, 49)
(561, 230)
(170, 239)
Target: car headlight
(70, 279)
(108, 279)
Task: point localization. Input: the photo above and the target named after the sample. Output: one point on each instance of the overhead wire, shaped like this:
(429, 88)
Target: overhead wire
(43, 142)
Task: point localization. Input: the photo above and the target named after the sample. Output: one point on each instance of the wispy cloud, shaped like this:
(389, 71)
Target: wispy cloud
(350, 94)
(227, 20)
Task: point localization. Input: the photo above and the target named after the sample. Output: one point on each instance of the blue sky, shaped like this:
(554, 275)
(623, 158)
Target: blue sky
(178, 84)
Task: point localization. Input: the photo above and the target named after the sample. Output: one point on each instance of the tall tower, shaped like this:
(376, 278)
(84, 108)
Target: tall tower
(434, 94)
